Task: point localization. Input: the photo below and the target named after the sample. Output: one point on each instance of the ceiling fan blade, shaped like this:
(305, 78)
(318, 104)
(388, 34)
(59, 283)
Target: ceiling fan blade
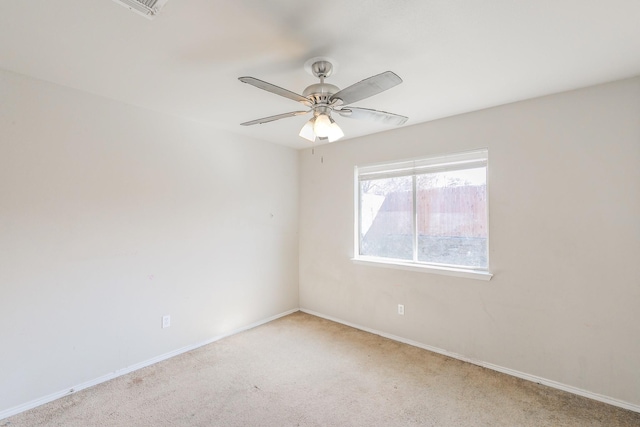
(373, 115)
(275, 89)
(272, 118)
(367, 87)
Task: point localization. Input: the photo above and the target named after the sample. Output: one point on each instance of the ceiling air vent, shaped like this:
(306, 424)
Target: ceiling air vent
(147, 8)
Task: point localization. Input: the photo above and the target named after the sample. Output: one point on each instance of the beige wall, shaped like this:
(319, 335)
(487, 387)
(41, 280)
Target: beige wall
(564, 196)
(112, 216)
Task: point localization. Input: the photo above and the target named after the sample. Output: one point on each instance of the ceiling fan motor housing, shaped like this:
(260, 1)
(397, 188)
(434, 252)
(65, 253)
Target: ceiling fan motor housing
(320, 93)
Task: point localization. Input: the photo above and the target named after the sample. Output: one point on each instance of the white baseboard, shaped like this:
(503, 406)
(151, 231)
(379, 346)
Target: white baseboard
(57, 395)
(518, 374)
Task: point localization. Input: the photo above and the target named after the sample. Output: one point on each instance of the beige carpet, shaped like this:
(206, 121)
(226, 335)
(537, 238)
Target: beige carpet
(304, 371)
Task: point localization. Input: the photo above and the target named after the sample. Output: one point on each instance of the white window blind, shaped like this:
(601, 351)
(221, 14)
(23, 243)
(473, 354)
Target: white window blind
(466, 160)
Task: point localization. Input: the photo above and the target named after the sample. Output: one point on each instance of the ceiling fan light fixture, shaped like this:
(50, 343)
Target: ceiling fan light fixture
(322, 125)
(307, 130)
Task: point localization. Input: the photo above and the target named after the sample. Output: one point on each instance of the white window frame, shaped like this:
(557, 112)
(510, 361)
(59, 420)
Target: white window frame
(414, 167)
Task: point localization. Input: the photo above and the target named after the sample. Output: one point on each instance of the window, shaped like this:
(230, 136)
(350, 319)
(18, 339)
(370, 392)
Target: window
(428, 213)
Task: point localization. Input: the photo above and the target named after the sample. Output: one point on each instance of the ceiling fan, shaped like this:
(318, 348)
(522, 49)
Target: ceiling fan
(322, 99)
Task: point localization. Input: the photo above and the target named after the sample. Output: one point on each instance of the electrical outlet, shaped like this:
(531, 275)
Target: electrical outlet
(166, 321)
(401, 309)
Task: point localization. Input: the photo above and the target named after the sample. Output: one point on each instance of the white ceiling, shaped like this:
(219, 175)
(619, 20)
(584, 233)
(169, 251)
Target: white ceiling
(454, 56)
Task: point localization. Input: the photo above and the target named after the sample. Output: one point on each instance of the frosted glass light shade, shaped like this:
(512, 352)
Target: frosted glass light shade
(335, 133)
(322, 126)
(307, 130)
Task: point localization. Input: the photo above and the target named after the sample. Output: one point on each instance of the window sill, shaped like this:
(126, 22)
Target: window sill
(446, 271)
